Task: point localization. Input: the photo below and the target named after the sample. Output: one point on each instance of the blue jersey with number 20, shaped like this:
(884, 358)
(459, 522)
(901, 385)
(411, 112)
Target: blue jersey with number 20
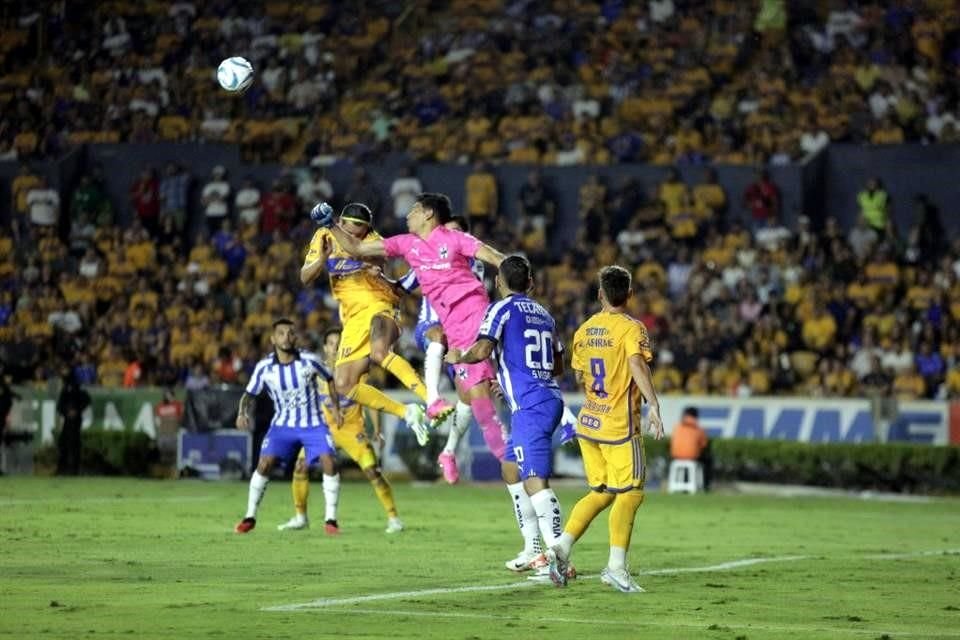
(526, 337)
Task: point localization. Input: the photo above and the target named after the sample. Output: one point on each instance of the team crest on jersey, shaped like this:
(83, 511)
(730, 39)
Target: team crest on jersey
(443, 252)
(462, 373)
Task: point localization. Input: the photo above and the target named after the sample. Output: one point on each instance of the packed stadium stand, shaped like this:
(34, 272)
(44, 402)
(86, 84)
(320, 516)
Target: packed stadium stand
(175, 290)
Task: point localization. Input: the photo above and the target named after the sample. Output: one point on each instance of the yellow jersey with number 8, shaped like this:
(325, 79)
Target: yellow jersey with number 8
(601, 349)
(353, 286)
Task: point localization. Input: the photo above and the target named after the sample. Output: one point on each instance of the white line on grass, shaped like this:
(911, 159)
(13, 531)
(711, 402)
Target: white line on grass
(723, 566)
(332, 602)
(647, 623)
(324, 603)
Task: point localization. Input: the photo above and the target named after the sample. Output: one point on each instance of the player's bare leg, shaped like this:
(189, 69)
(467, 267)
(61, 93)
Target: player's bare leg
(258, 486)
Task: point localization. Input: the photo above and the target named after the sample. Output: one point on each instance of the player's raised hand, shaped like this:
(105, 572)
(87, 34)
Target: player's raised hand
(337, 416)
(656, 423)
(322, 214)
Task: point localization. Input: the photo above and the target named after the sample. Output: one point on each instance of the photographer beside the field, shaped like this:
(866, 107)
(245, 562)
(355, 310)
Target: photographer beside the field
(690, 442)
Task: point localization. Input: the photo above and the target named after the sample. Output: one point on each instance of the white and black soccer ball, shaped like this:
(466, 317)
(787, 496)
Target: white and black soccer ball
(235, 74)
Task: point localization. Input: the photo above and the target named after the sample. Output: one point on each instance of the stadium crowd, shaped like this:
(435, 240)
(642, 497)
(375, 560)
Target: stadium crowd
(535, 81)
(737, 302)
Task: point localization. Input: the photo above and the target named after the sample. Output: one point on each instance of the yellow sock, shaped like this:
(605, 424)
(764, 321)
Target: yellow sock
(622, 516)
(405, 373)
(385, 495)
(372, 397)
(301, 491)
(586, 509)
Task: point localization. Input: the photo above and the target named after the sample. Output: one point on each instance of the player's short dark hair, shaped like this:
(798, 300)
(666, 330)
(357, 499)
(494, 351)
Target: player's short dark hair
(279, 322)
(615, 284)
(461, 221)
(692, 412)
(439, 204)
(329, 331)
(515, 271)
(357, 212)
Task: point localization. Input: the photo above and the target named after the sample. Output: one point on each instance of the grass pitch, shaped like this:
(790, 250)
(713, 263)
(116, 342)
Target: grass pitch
(118, 558)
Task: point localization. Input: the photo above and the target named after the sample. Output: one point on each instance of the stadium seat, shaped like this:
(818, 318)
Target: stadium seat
(686, 476)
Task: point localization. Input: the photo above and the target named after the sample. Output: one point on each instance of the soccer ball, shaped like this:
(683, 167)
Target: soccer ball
(235, 74)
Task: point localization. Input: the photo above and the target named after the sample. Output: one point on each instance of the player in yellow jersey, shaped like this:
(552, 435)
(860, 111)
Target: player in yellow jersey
(369, 316)
(352, 438)
(611, 352)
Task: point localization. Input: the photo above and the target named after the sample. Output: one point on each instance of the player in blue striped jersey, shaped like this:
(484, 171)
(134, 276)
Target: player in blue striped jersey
(289, 375)
(432, 341)
(522, 336)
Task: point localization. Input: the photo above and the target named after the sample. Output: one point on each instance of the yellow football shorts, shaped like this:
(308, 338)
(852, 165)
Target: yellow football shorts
(615, 468)
(355, 339)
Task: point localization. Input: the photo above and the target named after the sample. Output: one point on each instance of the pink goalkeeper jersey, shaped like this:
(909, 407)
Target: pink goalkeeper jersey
(442, 265)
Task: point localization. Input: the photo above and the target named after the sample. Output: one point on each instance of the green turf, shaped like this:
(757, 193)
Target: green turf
(93, 558)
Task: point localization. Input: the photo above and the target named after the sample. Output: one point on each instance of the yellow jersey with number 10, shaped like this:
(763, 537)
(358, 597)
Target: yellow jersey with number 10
(601, 348)
(351, 283)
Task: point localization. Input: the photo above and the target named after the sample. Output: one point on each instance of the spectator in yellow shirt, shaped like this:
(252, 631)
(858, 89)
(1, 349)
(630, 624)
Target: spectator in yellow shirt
(909, 385)
(482, 195)
(671, 192)
(820, 330)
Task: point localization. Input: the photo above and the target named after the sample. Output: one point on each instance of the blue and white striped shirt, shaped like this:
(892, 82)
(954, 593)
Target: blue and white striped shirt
(292, 387)
(410, 284)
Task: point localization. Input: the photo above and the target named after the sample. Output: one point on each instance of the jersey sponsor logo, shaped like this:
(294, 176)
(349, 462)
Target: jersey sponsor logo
(344, 266)
(591, 422)
(444, 253)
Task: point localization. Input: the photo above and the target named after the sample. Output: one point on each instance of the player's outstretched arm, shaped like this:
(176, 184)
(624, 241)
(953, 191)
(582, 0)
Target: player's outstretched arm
(640, 371)
(490, 255)
(372, 249)
(478, 352)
